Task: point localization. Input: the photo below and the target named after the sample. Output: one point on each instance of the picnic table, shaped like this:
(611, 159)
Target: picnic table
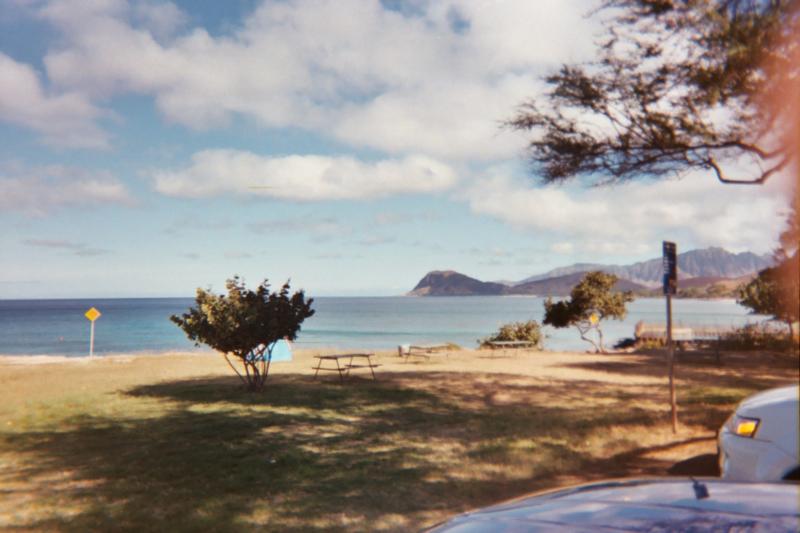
(511, 345)
(425, 350)
(343, 363)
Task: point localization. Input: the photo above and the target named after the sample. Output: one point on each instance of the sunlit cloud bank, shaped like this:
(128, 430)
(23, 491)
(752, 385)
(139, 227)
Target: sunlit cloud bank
(76, 248)
(302, 178)
(635, 217)
(39, 191)
(436, 79)
(65, 118)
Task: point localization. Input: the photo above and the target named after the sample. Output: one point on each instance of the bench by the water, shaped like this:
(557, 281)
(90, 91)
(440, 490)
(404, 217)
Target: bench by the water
(344, 363)
(510, 345)
(696, 333)
(685, 337)
(423, 350)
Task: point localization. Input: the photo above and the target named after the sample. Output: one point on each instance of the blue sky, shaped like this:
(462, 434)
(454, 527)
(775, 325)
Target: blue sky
(149, 148)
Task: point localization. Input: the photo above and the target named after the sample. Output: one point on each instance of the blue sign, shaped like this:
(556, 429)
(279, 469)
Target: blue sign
(670, 262)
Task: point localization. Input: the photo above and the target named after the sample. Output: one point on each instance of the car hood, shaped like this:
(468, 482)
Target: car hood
(644, 505)
(770, 398)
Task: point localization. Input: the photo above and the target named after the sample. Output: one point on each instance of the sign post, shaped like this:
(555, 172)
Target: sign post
(92, 314)
(670, 262)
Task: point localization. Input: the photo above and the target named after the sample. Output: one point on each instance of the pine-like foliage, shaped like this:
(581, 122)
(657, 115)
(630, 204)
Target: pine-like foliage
(679, 85)
(591, 301)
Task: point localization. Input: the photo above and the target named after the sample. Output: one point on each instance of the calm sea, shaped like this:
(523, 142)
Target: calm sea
(58, 327)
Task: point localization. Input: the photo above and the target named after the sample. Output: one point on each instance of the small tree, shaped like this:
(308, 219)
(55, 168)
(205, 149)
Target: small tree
(245, 324)
(591, 301)
(529, 331)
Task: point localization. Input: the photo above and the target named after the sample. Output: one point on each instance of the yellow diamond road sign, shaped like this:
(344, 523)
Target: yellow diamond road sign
(594, 319)
(92, 314)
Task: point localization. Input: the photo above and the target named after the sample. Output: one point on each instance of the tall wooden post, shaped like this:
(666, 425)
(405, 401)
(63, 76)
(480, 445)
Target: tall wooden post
(671, 351)
(670, 262)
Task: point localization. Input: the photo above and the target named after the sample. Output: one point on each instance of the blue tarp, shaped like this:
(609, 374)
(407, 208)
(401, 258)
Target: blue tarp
(281, 351)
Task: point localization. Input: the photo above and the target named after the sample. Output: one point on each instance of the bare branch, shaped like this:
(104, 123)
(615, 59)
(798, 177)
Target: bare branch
(765, 175)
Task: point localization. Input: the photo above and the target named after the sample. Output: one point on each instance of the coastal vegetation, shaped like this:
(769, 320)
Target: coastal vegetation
(168, 443)
(591, 301)
(776, 290)
(245, 324)
(760, 336)
(529, 331)
(765, 337)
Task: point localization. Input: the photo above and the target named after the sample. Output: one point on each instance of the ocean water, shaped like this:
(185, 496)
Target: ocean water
(58, 327)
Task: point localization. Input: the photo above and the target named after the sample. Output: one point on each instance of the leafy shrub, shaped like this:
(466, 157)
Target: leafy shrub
(761, 336)
(529, 331)
(245, 324)
(627, 342)
(650, 344)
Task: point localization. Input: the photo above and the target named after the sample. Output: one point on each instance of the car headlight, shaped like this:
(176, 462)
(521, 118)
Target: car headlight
(744, 426)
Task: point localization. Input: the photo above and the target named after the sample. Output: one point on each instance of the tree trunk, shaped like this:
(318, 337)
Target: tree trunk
(268, 363)
(600, 335)
(583, 333)
(234, 368)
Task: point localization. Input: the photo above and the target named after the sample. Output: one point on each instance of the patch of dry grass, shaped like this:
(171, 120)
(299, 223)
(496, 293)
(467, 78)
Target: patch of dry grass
(173, 443)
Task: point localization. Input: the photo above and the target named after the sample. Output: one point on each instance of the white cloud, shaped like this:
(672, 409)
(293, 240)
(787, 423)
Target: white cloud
(633, 218)
(40, 190)
(77, 248)
(302, 178)
(320, 228)
(350, 69)
(163, 19)
(565, 248)
(66, 119)
(233, 254)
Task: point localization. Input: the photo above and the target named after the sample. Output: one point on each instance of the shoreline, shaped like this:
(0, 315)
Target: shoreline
(297, 354)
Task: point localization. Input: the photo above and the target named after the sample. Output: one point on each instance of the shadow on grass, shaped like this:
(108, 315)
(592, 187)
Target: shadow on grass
(306, 455)
(746, 370)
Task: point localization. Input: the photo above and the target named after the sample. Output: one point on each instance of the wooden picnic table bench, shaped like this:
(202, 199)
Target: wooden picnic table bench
(425, 350)
(344, 363)
(511, 345)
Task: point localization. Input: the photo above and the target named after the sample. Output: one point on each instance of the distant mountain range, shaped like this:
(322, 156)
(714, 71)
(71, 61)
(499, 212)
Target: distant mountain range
(706, 272)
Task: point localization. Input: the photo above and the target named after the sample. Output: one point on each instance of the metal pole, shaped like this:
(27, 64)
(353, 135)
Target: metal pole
(671, 352)
(91, 341)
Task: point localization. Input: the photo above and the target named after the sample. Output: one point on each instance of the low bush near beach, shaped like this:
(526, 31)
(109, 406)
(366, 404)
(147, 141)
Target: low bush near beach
(763, 336)
(529, 331)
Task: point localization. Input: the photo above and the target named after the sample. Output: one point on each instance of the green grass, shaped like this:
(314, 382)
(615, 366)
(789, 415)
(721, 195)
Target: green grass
(397, 454)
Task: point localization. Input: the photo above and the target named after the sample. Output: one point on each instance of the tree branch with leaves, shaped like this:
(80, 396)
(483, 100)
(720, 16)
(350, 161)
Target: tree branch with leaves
(678, 86)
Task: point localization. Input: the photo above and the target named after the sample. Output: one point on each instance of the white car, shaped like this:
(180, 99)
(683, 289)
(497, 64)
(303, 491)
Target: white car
(759, 442)
(666, 505)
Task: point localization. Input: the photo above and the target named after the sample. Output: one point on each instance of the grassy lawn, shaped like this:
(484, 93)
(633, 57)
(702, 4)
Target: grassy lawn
(149, 445)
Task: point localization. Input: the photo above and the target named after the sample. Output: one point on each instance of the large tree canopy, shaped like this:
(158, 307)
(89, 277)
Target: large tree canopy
(679, 85)
(776, 290)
